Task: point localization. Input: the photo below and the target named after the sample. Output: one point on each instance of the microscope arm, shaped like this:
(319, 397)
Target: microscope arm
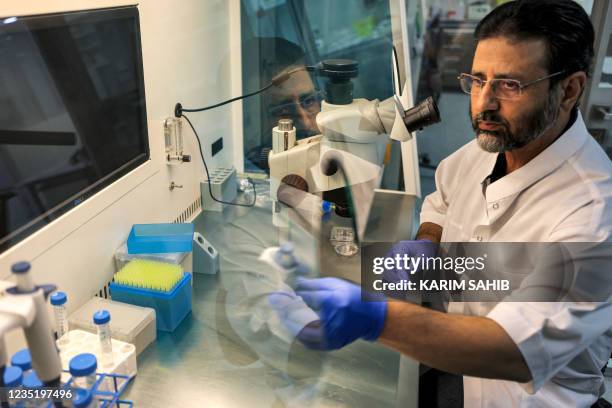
(386, 114)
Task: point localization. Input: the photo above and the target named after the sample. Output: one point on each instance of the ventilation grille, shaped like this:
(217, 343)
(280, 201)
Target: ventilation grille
(186, 216)
(105, 291)
(189, 213)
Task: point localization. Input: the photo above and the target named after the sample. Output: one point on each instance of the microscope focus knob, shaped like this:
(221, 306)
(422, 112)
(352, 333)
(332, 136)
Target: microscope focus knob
(295, 181)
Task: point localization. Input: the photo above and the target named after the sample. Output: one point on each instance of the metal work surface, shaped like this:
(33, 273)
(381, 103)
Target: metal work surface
(197, 365)
(206, 363)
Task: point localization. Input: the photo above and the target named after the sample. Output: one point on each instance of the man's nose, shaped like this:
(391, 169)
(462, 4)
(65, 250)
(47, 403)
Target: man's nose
(307, 118)
(485, 100)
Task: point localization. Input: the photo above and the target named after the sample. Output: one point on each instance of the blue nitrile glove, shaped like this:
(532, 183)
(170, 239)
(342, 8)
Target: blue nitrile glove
(345, 317)
(414, 249)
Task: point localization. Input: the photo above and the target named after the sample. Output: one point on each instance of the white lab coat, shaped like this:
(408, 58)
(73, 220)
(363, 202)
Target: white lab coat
(562, 195)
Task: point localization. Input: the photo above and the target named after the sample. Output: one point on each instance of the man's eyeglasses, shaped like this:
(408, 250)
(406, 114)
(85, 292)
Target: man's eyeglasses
(310, 102)
(502, 88)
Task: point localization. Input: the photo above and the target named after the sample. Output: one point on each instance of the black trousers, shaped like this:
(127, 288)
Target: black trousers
(438, 389)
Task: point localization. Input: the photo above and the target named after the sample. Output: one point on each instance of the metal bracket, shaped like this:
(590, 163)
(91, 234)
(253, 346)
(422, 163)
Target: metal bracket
(607, 115)
(173, 185)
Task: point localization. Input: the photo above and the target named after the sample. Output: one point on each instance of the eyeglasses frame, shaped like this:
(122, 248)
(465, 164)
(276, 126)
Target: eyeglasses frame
(521, 86)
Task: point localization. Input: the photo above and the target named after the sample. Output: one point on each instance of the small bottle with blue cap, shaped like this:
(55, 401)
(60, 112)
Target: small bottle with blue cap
(285, 259)
(31, 382)
(58, 300)
(284, 256)
(12, 381)
(102, 321)
(83, 370)
(83, 399)
(23, 360)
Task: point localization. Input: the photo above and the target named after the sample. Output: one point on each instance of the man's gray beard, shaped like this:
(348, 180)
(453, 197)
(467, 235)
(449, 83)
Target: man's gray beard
(535, 127)
(490, 143)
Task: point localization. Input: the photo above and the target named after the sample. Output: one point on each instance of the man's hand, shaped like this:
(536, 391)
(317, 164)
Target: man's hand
(344, 316)
(430, 231)
(468, 345)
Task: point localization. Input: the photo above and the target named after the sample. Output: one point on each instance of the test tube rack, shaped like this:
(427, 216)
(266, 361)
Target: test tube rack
(80, 341)
(107, 389)
(223, 185)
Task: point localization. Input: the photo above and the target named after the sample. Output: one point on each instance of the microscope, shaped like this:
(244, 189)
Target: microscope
(354, 135)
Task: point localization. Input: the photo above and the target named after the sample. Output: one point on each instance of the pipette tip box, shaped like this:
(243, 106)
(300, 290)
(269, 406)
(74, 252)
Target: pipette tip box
(184, 259)
(170, 307)
(160, 238)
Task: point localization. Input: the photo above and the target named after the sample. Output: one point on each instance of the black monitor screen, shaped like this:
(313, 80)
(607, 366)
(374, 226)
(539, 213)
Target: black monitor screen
(72, 112)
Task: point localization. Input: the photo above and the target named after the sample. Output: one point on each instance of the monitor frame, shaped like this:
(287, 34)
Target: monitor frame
(37, 21)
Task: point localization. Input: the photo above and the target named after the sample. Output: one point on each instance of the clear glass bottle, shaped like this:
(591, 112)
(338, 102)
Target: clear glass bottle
(13, 380)
(83, 370)
(33, 383)
(58, 300)
(102, 321)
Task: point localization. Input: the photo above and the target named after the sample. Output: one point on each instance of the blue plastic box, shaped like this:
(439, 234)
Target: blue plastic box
(160, 238)
(170, 308)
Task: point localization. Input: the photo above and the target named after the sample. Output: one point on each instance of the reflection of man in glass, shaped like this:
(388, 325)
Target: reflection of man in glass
(296, 98)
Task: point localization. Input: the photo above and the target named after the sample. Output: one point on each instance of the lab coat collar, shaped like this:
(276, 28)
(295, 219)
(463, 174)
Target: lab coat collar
(541, 165)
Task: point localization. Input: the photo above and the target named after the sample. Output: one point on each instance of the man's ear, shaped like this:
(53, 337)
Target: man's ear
(573, 87)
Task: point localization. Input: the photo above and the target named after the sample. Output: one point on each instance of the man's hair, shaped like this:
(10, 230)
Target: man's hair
(563, 24)
(273, 55)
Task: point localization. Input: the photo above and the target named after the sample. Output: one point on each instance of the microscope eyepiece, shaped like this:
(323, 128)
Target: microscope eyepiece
(339, 87)
(339, 70)
(422, 115)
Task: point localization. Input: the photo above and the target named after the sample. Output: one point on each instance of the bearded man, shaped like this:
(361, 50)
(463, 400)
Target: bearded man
(533, 174)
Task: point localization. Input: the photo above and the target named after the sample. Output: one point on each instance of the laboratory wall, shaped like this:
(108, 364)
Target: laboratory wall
(444, 51)
(191, 54)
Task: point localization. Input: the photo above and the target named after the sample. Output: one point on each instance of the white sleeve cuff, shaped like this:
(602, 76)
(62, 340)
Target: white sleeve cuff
(432, 216)
(510, 316)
